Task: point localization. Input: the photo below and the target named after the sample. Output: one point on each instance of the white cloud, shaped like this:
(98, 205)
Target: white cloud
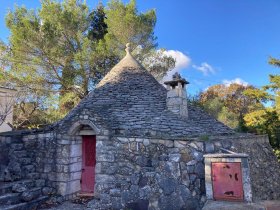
(182, 62)
(236, 81)
(205, 68)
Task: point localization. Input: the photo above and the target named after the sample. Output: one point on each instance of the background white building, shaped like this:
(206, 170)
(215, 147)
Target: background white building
(7, 101)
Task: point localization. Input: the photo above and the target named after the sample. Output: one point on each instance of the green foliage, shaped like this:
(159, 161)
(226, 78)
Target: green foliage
(267, 120)
(277, 153)
(98, 27)
(229, 118)
(65, 49)
(125, 25)
(204, 137)
(229, 104)
(274, 61)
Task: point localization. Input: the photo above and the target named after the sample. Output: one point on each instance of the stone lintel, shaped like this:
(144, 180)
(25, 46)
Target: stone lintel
(224, 155)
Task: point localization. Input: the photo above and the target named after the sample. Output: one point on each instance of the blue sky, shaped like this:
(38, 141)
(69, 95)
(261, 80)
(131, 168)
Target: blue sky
(213, 40)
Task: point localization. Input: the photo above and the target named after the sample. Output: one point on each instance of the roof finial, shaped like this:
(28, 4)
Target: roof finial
(127, 49)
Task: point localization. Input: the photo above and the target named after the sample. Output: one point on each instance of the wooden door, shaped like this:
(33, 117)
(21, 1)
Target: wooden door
(88, 164)
(227, 181)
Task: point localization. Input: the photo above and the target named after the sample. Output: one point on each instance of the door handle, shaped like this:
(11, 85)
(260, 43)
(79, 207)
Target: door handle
(83, 170)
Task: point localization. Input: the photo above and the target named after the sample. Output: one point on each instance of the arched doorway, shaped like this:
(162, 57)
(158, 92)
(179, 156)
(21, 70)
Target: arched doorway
(88, 131)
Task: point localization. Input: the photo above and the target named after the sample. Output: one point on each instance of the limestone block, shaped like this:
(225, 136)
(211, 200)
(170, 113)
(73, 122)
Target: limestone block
(180, 144)
(209, 147)
(63, 141)
(115, 192)
(185, 178)
(146, 142)
(75, 167)
(74, 186)
(107, 157)
(169, 143)
(172, 93)
(138, 140)
(98, 168)
(102, 138)
(49, 135)
(154, 141)
(65, 150)
(193, 145)
(76, 150)
(168, 185)
(60, 177)
(186, 157)
(184, 111)
(174, 101)
(41, 135)
(105, 132)
(145, 192)
(75, 175)
(174, 157)
(75, 159)
(123, 140)
(103, 178)
(99, 144)
(198, 155)
(62, 188)
(62, 160)
(47, 168)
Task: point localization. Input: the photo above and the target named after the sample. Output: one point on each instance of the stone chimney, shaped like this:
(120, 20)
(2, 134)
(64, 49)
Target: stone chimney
(176, 96)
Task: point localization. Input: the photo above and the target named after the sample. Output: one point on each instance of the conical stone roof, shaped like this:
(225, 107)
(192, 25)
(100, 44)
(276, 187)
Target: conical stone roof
(129, 101)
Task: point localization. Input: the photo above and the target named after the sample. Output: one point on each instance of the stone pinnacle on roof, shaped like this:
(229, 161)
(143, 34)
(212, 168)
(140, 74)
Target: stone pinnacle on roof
(128, 49)
(127, 65)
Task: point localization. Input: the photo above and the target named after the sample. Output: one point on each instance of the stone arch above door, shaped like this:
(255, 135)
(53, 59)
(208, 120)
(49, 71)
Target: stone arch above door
(83, 127)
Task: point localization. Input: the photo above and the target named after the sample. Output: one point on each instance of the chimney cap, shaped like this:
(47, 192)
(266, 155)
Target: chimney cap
(176, 78)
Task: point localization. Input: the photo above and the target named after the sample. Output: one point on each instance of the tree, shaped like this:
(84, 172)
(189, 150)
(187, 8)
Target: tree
(267, 119)
(229, 104)
(65, 49)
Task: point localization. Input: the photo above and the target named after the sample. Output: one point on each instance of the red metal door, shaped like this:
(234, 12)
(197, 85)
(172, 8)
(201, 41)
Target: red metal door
(89, 161)
(227, 181)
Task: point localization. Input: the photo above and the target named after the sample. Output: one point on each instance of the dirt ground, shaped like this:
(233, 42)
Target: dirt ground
(224, 205)
(68, 205)
(210, 205)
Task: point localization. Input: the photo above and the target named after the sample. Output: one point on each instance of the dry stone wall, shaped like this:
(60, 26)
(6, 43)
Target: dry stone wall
(58, 160)
(134, 172)
(27, 156)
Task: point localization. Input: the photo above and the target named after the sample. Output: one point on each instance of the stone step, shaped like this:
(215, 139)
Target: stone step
(31, 194)
(6, 187)
(25, 205)
(10, 198)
